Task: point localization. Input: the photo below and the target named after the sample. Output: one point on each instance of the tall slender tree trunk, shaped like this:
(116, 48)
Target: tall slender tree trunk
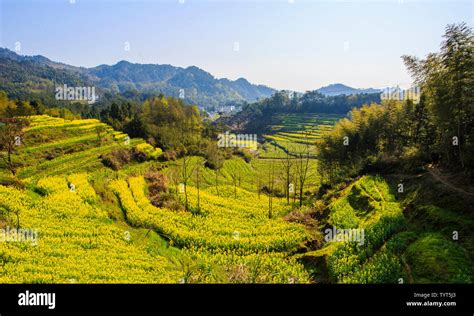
(461, 158)
(186, 196)
(217, 184)
(198, 190)
(10, 163)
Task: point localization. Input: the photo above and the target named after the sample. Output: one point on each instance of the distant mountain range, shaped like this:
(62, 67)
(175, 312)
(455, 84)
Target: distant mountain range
(21, 73)
(339, 88)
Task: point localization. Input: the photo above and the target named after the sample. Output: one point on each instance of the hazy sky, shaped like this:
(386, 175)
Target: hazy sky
(299, 46)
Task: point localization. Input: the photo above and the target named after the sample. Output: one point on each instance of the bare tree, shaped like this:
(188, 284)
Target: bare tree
(216, 173)
(302, 167)
(174, 176)
(271, 185)
(186, 173)
(294, 189)
(198, 184)
(11, 134)
(235, 176)
(100, 130)
(259, 186)
(287, 167)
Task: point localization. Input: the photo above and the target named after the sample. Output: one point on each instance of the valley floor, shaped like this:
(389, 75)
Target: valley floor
(97, 225)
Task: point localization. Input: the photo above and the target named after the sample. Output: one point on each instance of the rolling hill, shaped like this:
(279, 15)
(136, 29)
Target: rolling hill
(339, 88)
(38, 73)
(97, 225)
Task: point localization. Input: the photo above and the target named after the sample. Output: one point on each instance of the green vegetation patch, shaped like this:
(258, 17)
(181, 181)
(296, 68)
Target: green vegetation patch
(435, 259)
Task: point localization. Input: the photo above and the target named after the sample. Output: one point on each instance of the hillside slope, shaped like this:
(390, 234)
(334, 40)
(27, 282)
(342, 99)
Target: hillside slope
(421, 235)
(32, 73)
(97, 225)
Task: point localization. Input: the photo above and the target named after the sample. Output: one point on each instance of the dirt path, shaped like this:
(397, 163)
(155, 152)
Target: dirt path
(407, 267)
(434, 173)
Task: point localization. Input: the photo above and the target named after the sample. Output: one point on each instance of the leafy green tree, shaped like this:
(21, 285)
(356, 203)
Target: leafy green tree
(172, 124)
(446, 79)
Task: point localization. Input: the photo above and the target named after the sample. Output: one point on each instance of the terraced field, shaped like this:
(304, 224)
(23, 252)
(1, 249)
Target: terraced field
(296, 130)
(53, 146)
(76, 241)
(249, 176)
(96, 225)
(395, 249)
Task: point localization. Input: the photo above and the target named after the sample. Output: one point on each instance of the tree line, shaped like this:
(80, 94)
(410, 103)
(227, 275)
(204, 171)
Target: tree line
(255, 117)
(438, 129)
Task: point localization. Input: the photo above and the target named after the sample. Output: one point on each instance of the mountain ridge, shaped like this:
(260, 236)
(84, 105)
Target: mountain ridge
(192, 83)
(339, 89)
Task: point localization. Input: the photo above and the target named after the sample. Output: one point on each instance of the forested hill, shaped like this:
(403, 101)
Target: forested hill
(260, 115)
(23, 75)
(339, 88)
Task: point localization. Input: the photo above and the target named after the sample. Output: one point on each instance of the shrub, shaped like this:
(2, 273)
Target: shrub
(116, 158)
(50, 154)
(138, 155)
(169, 201)
(158, 191)
(169, 155)
(245, 154)
(11, 181)
(275, 192)
(214, 157)
(146, 151)
(158, 182)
